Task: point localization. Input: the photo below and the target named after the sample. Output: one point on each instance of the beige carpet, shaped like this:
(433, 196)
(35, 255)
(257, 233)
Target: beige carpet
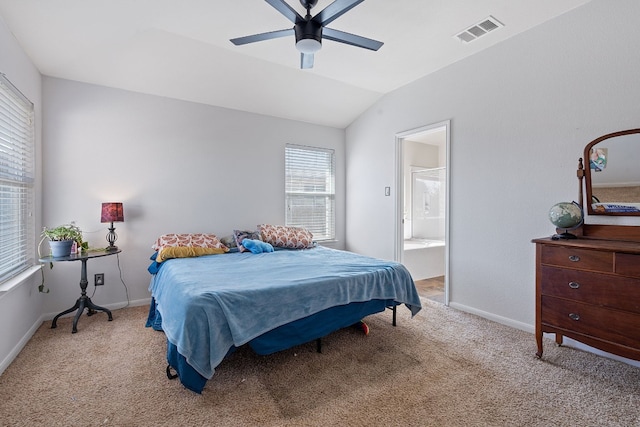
(441, 368)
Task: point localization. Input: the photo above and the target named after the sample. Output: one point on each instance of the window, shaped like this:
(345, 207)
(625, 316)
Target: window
(16, 181)
(310, 190)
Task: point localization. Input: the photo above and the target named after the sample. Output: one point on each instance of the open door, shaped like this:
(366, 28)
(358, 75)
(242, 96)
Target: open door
(422, 207)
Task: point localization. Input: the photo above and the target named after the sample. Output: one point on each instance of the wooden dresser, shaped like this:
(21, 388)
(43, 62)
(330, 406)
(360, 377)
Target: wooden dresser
(588, 289)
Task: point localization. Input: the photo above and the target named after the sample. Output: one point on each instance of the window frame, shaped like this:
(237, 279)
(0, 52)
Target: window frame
(17, 182)
(318, 168)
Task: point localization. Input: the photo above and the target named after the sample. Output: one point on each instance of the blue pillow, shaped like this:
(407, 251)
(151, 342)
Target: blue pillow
(257, 246)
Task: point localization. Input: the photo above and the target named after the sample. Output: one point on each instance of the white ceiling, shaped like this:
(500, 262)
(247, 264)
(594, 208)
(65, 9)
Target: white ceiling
(180, 48)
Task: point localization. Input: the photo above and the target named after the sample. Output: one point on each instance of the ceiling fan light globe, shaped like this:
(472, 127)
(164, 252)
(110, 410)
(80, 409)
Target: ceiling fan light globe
(308, 46)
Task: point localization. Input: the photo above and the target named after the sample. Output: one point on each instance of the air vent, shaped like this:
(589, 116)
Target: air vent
(480, 29)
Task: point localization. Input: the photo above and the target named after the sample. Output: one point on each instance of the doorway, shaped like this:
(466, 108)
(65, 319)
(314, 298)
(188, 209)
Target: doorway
(422, 207)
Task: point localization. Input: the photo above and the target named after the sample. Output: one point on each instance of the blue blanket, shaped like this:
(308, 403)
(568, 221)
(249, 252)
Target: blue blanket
(212, 303)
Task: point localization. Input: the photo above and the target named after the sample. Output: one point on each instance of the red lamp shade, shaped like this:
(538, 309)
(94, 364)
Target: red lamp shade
(112, 212)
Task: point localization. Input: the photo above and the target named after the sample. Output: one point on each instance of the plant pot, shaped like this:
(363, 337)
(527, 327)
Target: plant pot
(60, 248)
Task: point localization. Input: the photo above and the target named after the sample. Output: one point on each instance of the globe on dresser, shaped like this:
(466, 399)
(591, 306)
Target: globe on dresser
(567, 216)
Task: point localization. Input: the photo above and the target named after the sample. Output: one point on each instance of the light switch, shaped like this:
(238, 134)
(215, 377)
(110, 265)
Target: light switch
(387, 191)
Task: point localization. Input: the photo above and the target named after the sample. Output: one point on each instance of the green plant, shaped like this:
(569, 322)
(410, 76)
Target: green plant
(62, 232)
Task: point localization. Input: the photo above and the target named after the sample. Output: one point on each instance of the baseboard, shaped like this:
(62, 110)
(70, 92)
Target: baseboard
(45, 317)
(492, 316)
(20, 345)
(568, 342)
(115, 306)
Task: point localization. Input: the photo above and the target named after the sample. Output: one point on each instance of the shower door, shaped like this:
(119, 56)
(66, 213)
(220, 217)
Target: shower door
(428, 203)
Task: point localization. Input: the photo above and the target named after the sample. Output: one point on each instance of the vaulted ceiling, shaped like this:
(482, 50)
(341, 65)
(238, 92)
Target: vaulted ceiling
(181, 49)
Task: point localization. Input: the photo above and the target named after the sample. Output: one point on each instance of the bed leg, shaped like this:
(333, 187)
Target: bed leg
(394, 315)
(319, 345)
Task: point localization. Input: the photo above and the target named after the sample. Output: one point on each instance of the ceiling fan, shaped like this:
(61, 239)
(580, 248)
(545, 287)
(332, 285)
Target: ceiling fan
(310, 31)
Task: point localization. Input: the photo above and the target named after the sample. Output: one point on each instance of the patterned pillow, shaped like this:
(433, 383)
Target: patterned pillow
(286, 237)
(240, 235)
(196, 240)
(169, 252)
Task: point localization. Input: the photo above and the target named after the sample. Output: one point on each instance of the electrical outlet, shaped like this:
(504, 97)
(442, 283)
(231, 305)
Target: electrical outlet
(99, 279)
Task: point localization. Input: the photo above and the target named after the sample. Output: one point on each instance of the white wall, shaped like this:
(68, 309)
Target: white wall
(521, 113)
(176, 166)
(20, 308)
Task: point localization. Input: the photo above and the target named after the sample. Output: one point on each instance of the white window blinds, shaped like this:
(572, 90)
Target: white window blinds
(16, 181)
(310, 190)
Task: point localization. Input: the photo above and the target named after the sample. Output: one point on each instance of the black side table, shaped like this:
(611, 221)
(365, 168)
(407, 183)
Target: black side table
(84, 301)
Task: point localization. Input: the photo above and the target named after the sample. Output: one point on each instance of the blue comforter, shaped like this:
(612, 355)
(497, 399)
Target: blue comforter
(212, 303)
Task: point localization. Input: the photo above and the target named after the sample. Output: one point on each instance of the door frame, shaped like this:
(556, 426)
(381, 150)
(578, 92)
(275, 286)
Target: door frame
(399, 199)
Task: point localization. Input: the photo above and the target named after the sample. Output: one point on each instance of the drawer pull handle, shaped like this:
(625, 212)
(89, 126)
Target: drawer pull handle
(574, 285)
(574, 258)
(574, 316)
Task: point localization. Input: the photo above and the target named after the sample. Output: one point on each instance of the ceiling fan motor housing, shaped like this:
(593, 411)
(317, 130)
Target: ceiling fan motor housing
(308, 30)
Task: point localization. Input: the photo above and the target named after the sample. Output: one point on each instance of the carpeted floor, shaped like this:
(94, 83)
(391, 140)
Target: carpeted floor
(441, 368)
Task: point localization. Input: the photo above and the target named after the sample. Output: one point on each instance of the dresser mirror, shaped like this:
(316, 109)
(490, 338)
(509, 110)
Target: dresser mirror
(612, 174)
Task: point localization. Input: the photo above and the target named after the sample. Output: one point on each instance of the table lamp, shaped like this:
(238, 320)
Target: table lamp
(112, 212)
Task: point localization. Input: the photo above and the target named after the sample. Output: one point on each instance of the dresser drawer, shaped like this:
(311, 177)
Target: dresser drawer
(592, 288)
(584, 259)
(606, 324)
(628, 264)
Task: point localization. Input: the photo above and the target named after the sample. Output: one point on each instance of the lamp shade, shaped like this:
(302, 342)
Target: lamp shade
(112, 212)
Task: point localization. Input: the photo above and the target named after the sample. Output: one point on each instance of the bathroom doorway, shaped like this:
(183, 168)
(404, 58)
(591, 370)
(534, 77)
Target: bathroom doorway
(422, 218)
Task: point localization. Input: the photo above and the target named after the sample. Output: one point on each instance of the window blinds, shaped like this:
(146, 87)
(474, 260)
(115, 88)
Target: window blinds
(310, 190)
(17, 238)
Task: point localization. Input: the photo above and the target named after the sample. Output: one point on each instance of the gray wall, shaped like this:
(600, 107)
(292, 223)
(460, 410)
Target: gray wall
(178, 167)
(521, 113)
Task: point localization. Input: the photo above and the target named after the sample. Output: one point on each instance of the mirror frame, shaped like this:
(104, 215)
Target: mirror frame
(587, 172)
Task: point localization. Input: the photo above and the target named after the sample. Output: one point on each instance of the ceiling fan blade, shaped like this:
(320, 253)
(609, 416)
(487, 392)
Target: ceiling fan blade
(263, 36)
(334, 11)
(284, 8)
(306, 60)
(351, 39)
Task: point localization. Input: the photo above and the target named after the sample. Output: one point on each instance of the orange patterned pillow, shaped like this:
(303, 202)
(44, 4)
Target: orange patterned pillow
(196, 240)
(286, 237)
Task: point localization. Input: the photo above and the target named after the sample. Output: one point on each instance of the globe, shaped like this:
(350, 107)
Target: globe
(566, 215)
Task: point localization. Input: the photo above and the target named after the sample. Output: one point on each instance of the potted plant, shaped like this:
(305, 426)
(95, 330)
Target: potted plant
(61, 239)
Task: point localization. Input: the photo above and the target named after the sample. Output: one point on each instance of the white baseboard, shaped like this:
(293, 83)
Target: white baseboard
(567, 342)
(20, 345)
(491, 316)
(570, 343)
(46, 317)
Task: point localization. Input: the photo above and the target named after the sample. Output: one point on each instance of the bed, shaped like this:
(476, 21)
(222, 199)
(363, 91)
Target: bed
(209, 305)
